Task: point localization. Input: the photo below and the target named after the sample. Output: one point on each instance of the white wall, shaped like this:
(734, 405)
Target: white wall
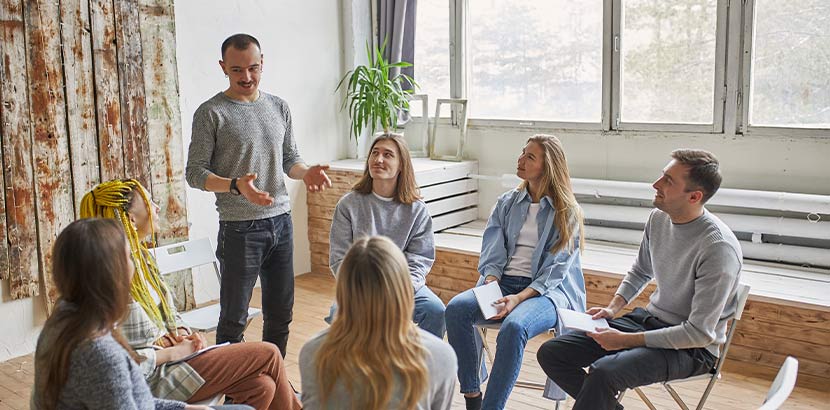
(21, 321)
(302, 47)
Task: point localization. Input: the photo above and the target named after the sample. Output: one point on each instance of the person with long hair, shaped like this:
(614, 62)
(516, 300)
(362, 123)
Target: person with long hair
(82, 361)
(385, 201)
(531, 246)
(251, 373)
(373, 357)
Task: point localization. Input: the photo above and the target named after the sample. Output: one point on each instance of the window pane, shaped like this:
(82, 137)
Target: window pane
(791, 64)
(668, 61)
(536, 60)
(432, 53)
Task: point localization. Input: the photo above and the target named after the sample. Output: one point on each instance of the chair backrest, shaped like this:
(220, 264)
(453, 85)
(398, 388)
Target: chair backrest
(741, 296)
(185, 255)
(782, 386)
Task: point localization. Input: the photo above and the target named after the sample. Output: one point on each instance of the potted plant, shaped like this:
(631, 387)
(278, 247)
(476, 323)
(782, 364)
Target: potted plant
(373, 97)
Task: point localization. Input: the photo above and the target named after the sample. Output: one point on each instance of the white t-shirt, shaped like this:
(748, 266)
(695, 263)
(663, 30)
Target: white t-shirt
(522, 260)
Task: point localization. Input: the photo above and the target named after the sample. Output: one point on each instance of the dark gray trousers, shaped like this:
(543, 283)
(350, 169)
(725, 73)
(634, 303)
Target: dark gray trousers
(563, 359)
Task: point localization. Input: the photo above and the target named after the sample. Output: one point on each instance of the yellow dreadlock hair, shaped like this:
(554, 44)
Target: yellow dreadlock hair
(112, 200)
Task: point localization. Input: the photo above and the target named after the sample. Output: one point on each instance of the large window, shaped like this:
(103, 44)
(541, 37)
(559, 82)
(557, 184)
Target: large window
(714, 66)
(432, 52)
(789, 73)
(535, 59)
(668, 61)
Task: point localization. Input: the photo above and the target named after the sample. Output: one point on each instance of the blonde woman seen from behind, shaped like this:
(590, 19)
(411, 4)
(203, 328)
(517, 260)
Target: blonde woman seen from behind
(373, 357)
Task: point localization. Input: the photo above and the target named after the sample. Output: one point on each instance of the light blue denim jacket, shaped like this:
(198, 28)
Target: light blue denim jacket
(556, 276)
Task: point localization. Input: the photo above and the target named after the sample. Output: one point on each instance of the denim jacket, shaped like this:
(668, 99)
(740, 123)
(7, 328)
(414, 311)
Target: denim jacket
(556, 276)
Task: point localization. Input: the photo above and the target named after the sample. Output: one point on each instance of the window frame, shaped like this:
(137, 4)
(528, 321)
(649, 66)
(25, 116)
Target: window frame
(733, 56)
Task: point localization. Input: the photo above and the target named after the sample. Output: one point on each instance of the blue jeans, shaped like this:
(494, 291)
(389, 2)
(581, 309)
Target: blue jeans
(246, 250)
(429, 312)
(530, 318)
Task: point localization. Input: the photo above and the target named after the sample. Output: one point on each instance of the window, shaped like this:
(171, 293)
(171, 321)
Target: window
(790, 64)
(704, 66)
(668, 61)
(432, 52)
(535, 59)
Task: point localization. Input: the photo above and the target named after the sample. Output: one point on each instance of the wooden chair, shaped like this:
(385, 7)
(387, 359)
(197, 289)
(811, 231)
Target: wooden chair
(715, 374)
(193, 254)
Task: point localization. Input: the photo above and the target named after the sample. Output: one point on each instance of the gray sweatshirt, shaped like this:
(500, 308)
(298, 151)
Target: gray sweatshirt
(408, 226)
(697, 267)
(441, 368)
(103, 376)
(232, 138)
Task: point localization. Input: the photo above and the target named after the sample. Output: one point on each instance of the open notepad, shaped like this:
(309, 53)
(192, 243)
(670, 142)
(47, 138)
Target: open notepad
(574, 320)
(196, 353)
(486, 295)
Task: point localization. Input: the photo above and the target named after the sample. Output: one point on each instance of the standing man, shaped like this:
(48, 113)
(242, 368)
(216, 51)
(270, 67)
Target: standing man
(696, 261)
(242, 143)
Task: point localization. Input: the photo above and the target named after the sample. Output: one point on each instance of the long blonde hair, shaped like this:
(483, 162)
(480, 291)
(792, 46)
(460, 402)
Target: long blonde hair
(89, 266)
(113, 199)
(556, 184)
(406, 189)
(373, 341)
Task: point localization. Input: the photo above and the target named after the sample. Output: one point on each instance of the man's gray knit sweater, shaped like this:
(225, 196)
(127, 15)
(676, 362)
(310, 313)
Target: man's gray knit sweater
(408, 226)
(232, 138)
(103, 376)
(696, 266)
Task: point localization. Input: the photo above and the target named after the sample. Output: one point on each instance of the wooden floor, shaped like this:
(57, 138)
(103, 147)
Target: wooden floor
(314, 293)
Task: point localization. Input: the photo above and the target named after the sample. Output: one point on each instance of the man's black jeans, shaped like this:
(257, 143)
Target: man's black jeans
(564, 358)
(246, 250)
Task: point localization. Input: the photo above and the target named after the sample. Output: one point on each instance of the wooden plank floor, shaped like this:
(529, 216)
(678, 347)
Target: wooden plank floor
(314, 293)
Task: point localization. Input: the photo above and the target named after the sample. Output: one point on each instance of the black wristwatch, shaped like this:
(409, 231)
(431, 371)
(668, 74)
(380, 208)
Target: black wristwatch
(233, 189)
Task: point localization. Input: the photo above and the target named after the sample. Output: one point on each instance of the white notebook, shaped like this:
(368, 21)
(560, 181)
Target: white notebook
(574, 320)
(486, 295)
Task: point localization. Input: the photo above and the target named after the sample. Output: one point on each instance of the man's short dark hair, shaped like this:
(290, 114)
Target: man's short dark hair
(239, 41)
(704, 170)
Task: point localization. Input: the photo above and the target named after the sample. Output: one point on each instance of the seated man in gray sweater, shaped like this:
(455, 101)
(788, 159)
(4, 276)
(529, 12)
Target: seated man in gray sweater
(696, 261)
(385, 201)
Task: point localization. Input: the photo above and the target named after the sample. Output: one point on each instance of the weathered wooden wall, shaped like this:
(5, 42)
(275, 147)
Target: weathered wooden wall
(88, 93)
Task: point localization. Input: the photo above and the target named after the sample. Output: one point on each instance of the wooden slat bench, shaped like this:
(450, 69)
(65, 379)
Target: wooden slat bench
(788, 312)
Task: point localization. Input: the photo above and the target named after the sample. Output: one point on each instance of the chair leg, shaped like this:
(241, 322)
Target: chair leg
(675, 396)
(644, 398)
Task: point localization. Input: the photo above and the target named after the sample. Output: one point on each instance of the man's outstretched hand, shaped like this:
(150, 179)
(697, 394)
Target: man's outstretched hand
(245, 185)
(315, 178)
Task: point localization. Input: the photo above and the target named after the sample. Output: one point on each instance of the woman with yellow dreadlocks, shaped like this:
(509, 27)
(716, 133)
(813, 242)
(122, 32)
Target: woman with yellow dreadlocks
(250, 373)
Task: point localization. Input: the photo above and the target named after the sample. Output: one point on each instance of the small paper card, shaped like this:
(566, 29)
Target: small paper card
(196, 353)
(574, 320)
(486, 295)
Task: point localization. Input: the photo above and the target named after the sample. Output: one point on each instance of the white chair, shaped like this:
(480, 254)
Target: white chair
(715, 374)
(193, 254)
(551, 390)
(782, 386)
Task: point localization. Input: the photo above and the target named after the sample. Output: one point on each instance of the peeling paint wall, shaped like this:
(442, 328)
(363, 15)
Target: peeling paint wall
(77, 82)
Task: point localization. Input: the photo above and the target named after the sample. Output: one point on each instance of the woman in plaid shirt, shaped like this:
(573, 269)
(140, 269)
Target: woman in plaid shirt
(252, 373)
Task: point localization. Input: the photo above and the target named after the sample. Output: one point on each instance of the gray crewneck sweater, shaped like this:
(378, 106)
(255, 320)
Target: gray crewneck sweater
(697, 267)
(232, 138)
(103, 376)
(408, 225)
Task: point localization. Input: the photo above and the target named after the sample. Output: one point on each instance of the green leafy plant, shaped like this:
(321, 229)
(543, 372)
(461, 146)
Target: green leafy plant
(372, 97)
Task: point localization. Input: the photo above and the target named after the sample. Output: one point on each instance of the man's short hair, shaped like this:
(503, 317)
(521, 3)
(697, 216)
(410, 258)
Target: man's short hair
(239, 41)
(704, 170)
